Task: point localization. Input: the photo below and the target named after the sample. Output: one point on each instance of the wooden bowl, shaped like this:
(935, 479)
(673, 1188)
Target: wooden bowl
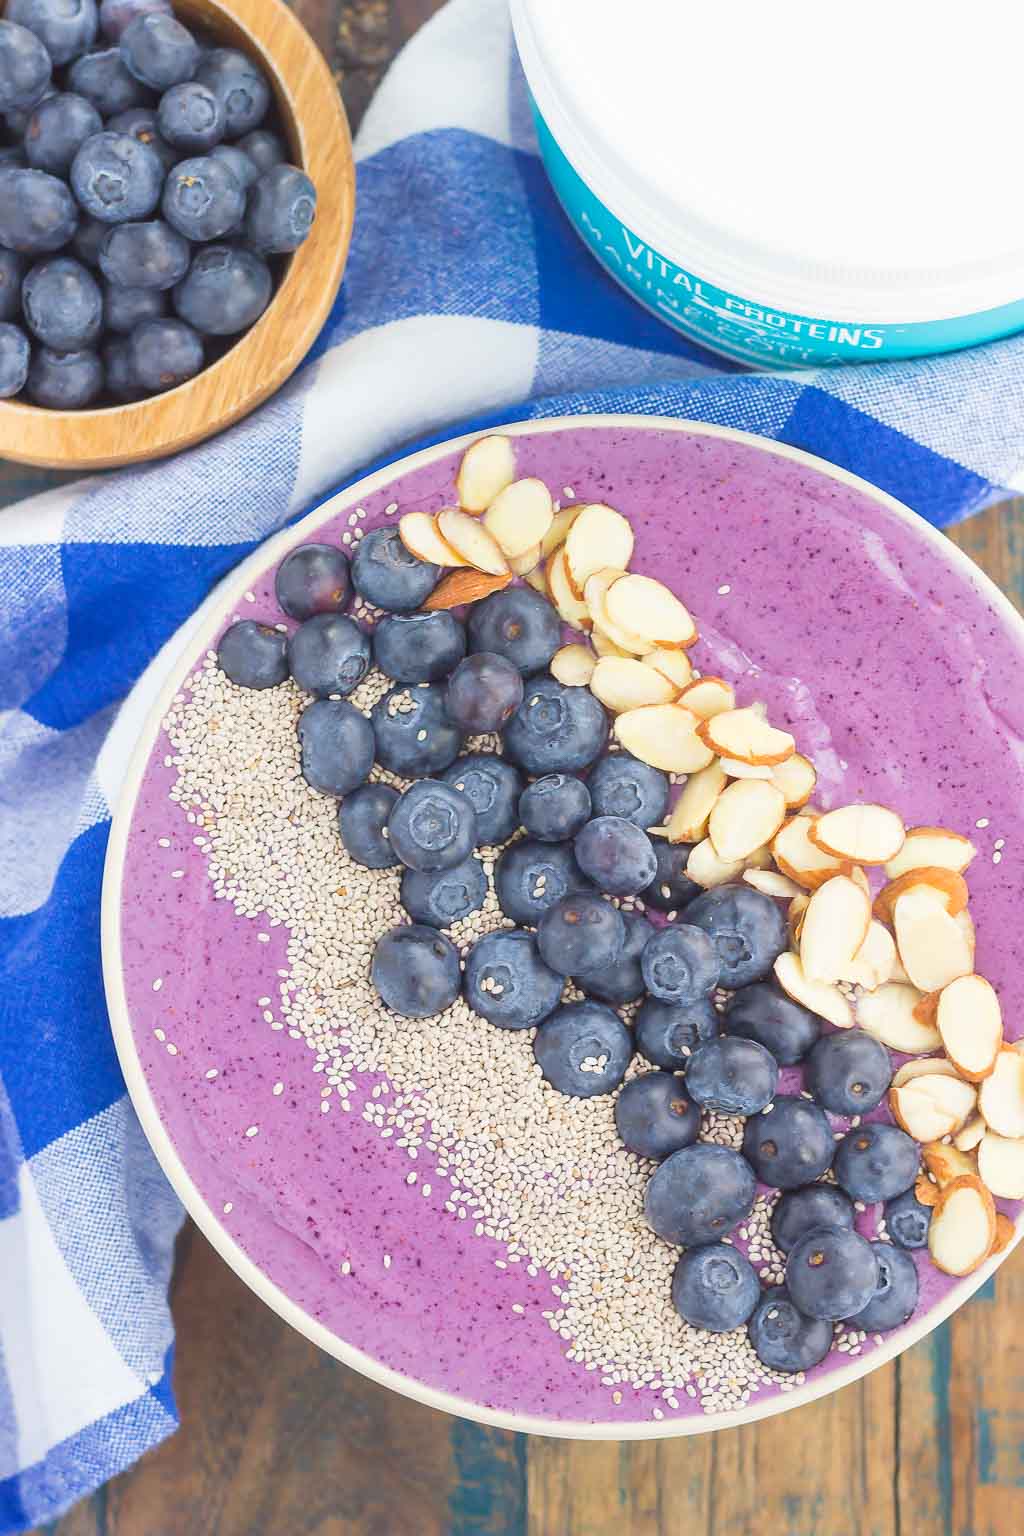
(259, 362)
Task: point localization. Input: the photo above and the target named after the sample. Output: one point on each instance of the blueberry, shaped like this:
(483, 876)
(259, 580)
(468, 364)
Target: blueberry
(555, 807)
(265, 149)
(530, 877)
(621, 785)
(25, 67)
(790, 1144)
(362, 821)
(747, 928)
(281, 210)
(493, 786)
(140, 123)
(483, 692)
(388, 576)
(680, 965)
(115, 178)
(623, 981)
(583, 1049)
(432, 827)
(876, 1162)
(12, 157)
(416, 971)
(580, 928)
(12, 269)
(226, 290)
(191, 118)
(165, 353)
(783, 1338)
(124, 308)
(519, 624)
(440, 897)
(253, 655)
(654, 1117)
(507, 982)
(804, 1210)
(56, 131)
(64, 381)
(102, 79)
(65, 28)
(244, 170)
(17, 118)
(313, 579)
(115, 15)
(202, 199)
(414, 735)
(37, 212)
(615, 854)
(119, 370)
(832, 1273)
(667, 1034)
(329, 654)
(764, 1013)
(88, 238)
(14, 359)
(63, 304)
(714, 1287)
(734, 1077)
(336, 744)
(699, 1194)
(848, 1073)
(144, 255)
(671, 889)
(907, 1221)
(240, 87)
(895, 1297)
(159, 51)
(418, 647)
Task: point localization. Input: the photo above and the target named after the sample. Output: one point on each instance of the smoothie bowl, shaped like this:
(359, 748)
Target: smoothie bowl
(439, 1134)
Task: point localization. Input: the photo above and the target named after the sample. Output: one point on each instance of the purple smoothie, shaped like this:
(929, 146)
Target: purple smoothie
(896, 673)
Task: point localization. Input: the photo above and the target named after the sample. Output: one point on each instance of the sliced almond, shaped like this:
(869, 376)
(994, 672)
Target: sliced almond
(947, 882)
(737, 770)
(796, 777)
(646, 606)
(946, 1163)
(520, 516)
(604, 645)
(770, 883)
(858, 876)
(835, 925)
(418, 532)
(761, 858)
(664, 735)
(537, 579)
(926, 1010)
(558, 532)
(796, 914)
(1001, 1165)
(675, 665)
(872, 965)
(522, 565)
(931, 848)
(599, 537)
(745, 817)
(798, 857)
(970, 1021)
(689, 820)
(470, 539)
(867, 834)
(573, 665)
(743, 735)
(488, 465)
(931, 1107)
(963, 1226)
(623, 682)
(826, 1001)
(571, 609)
(705, 868)
(969, 1135)
(965, 922)
(709, 696)
(932, 947)
(925, 1192)
(1001, 1095)
(1006, 1233)
(924, 1066)
(888, 1014)
(464, 586)
(594, 594)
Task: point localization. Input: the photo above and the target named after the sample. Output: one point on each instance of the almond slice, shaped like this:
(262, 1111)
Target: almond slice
(573, 665)
(1001, 1095)
(599, 537)
(571, 609)
(664, 735)
(737, 770)
(798, 857)
(745, 817)
(558, 532)
(969, 1136)
(522, 565)
(743, 735)
(537, 579)
(926, 1011)
(931, 848)
(924, 1066)
(604, 645)
(1001, 1165)
(796, 914)
(970, 1021)
(705, 868)
(520, 516)
(934, 950)
(464, 586)
(1006, 1234)
(888, 1014)
(418, 532)
(931, 1107)
(965, 922)
(646, 606)
(872, 965)
(867, 834)
(946, 881)
(925, 1192)
(826, 1001)
(860, 878)
(796, 777)
(675, 665)
(963, 1226)
(623, 682)
(594, 595)
(770, 883)
(761, 858)
(946, 1163)
(471, 541)
(709, 696)
(835, 925)
(689, 820)
(488, 465)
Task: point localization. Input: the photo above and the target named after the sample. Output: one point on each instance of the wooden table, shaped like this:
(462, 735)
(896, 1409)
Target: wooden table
(279, 1440)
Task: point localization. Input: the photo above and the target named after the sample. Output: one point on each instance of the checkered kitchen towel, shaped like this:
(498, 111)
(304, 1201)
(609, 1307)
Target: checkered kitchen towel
(467, 296)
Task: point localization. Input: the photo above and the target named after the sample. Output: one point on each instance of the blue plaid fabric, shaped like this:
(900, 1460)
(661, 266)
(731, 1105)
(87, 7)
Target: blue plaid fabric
(467, 301)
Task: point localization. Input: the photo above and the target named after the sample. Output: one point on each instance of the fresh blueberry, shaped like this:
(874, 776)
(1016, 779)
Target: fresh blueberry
(336, 744)
(329, 654)
(264, 148)
(115, 15)
(832, 1273)
(202, 199)
(116, 179)
(667, 1034)
(17, 118)
(240, 87)
(432, 827)
(848, 1073)
(88, 238)
(313, 579)
(145, 255)
(119, 370)
(37, 212)
(12, 269)
(440, 897)
(507, 982)
(226, 290)
(654, 1117)
(418, 647)
(124, 308)
(580, 928)
(159, 51)
(671, 889)
(555, 807)
(63, 304)
(253, 655)
(790, 1144)
(747, 929)
(680, 965)
(56, 131)
(140, 123)
(623, 981)
(715, 1287)
(799, 1211)
(699, 1194)
(895, 1297)
(64, 381)
(493, 786)
(483, 692)
(530, 877)
(191, 118)
(65, 28)
(244, 170)
(281, 210)
(362, 822)
(583, 1049)
(907, 1221)
(388, 576)
(519, 624)
(876, 1162)
(734, 1077)
(25, 67)
(14, 359)
(615, 854)
(165, 353)
(102, 79)
(621, 785)
(414, 735)
(416, 971)
(12, 157)
(764, 1013)
(783, 1338)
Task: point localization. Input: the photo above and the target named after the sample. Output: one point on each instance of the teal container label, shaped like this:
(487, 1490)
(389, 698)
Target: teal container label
(740, 327)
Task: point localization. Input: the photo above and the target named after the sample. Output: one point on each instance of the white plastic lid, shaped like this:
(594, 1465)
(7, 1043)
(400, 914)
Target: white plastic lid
(834, 159)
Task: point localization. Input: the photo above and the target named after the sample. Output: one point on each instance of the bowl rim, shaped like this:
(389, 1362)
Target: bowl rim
(162, 680)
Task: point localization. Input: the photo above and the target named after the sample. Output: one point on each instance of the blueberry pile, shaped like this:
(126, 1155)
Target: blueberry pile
(144, 200)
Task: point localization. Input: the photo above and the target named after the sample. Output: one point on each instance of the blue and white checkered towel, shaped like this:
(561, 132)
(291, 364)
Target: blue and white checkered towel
(467, 296)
